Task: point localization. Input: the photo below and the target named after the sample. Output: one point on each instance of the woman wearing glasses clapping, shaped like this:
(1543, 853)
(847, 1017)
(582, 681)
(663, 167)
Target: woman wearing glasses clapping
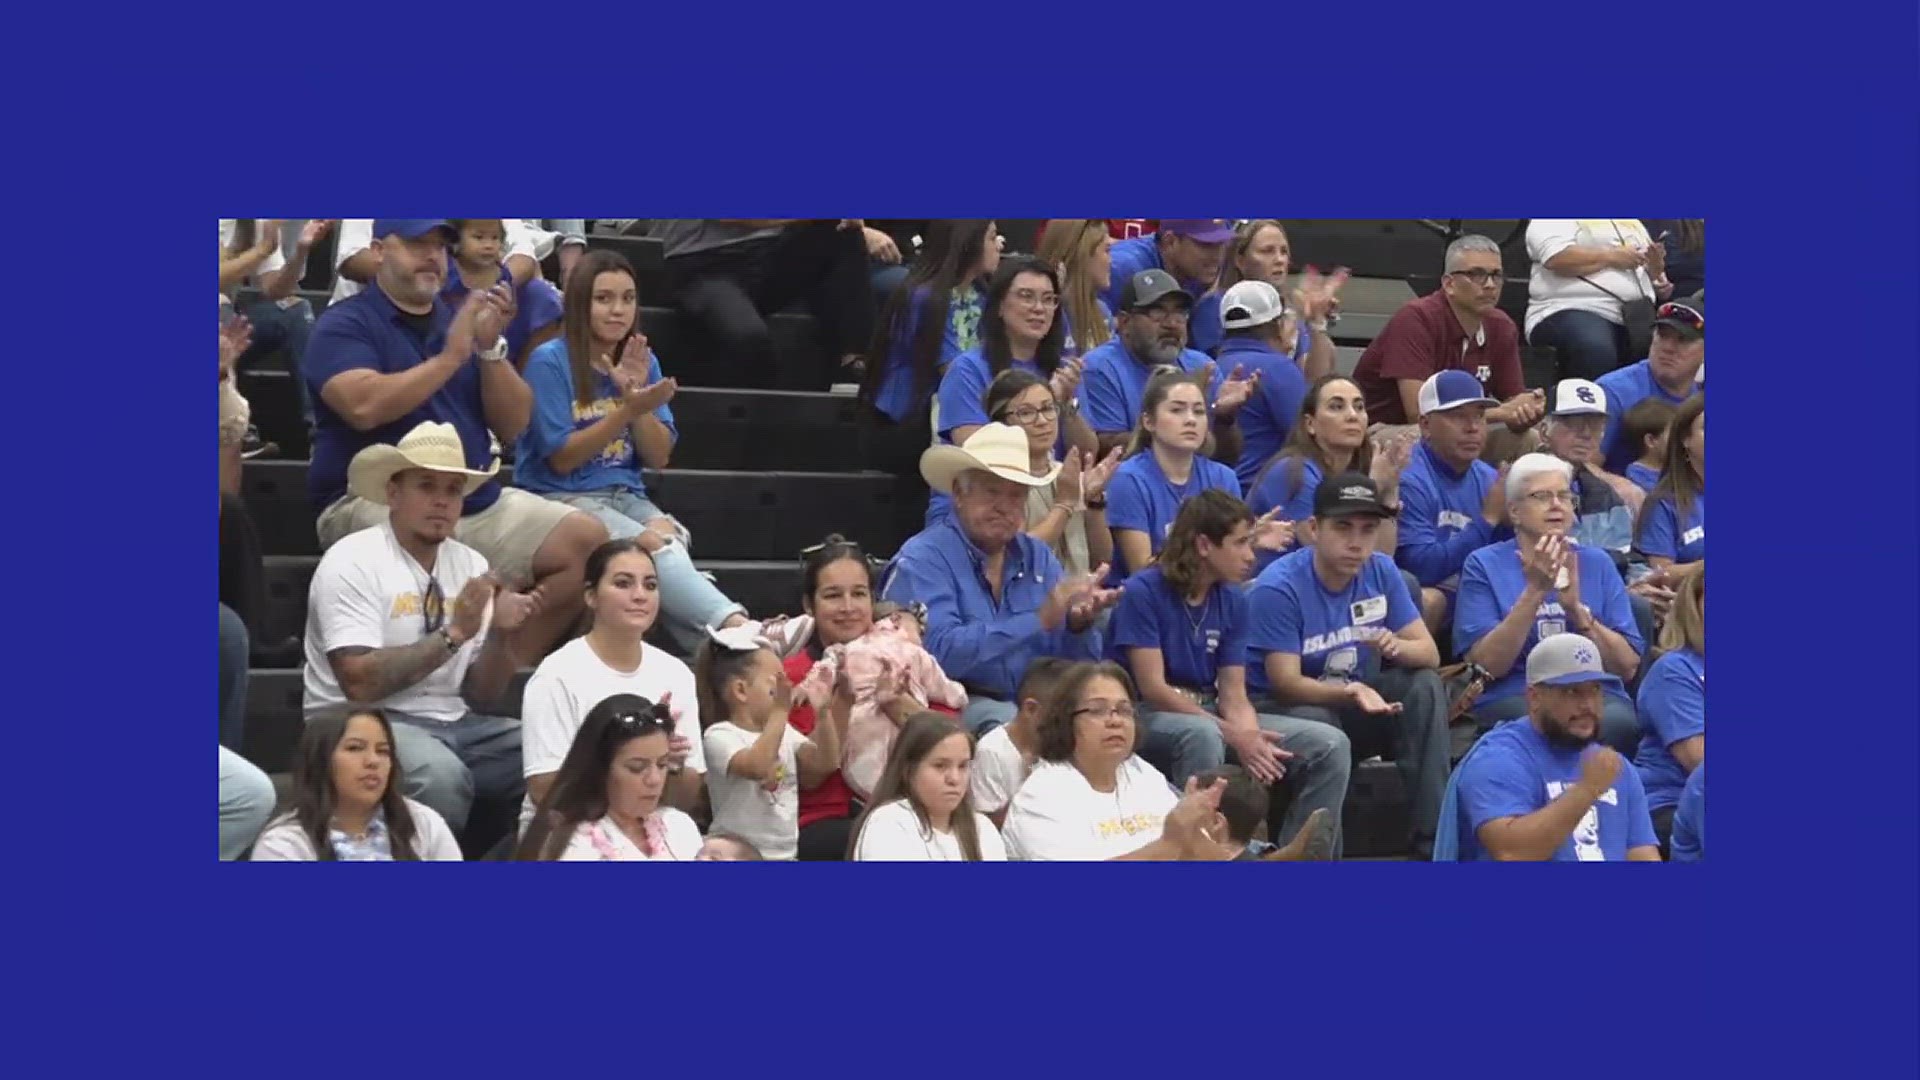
(1070, 514)
(1091, 798)
(1542, 583)
(606, 803)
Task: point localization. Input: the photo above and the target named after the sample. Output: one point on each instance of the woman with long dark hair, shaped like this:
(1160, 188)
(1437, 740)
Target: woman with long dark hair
(1328, 438)
(346, 806)
(922, 809)
(607, 801)
(600, 416)
(1020, 328)
(1673, 520)
(933, 317)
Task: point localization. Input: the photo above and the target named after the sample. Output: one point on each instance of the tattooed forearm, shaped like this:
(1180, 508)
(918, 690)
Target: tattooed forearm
(371, 675)
(490, 677)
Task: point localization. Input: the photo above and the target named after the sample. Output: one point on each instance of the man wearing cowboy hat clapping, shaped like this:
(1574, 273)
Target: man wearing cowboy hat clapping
(396, 356)
(997, 599)
(403, 618)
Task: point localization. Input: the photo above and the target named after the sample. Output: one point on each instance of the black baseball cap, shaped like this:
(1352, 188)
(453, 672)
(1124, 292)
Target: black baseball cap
(1149, 287)
(1349, 494)
(1688, 315)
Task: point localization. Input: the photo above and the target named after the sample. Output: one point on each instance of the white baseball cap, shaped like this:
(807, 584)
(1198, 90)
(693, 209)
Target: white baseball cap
(1578, 397)
(1249, 304)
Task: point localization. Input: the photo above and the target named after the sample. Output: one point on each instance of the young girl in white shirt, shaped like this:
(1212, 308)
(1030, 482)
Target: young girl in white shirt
(921, 809)
(756, 763)
(346, 806)
(606, 802)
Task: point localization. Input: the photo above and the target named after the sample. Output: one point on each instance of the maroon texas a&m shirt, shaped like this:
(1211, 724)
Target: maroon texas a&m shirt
(1425, 336)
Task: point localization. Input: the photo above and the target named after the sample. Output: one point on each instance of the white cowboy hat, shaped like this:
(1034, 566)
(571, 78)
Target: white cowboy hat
(430, 446)
(1000, 449)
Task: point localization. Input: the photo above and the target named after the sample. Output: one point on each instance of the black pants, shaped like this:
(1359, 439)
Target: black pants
(242, 568)
(733, 290)
(1663, 827)
(826, 840)
(1415, 739)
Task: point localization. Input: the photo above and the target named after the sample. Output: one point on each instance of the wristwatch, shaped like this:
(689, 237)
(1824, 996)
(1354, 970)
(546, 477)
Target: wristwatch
(497, 353)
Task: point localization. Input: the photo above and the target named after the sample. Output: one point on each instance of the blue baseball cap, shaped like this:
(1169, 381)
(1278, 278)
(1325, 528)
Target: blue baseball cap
(1566, 660)
(413, 228)
(1203, 230)
(1451, 389)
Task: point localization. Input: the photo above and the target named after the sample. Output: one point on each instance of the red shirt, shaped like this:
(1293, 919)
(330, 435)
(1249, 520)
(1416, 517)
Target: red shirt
(1425, 336)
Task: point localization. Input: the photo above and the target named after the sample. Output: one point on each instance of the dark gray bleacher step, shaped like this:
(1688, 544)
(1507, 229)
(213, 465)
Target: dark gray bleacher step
(719, 428)
(1391, 248)
(766, 587)
(732, 515)
(690, 354)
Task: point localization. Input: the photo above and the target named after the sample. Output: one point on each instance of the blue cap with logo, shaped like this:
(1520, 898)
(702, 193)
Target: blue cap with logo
(1566, 660)
(413, 228)
(1451, 389)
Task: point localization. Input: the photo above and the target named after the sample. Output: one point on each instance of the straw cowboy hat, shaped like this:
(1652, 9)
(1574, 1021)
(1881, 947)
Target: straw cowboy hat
(431, 446)
(1000, 449)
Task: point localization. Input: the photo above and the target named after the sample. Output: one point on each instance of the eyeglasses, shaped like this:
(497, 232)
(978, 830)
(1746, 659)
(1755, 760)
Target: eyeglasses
(1549, 498)
(433, 607)
(1104, 710)
(1027, 414)
(1162, 315)
(1046, 301)
(1479, 277)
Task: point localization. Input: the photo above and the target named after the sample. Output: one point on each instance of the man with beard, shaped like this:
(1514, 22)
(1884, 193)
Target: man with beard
(1190, 249)
(1151, 332)
(997, 599)
(1540, 788)
(396, 356)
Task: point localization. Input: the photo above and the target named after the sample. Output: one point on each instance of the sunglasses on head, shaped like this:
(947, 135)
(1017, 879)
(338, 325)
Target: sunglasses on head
(641, 718)
(1683, 314)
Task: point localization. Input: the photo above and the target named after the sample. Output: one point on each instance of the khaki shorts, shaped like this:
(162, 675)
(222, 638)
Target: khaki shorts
(508, 533)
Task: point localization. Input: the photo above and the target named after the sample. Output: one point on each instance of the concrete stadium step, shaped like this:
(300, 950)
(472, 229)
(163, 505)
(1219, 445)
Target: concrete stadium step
(766, 587)
(1392, 248)
(732, 515)
(719, 428)
(274, 714)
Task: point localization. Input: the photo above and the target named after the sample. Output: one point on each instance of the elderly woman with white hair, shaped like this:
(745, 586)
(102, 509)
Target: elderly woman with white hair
(1541, 583)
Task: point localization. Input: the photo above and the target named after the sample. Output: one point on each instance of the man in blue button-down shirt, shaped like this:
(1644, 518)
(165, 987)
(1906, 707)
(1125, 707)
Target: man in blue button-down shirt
(997, 599)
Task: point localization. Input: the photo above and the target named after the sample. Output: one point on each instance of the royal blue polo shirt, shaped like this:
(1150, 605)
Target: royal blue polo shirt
(367, 331)
(1663, 532)
(1440, 516)
(1113, 383)
(557, 416)
(1627, 387)
(1268, 416)
(1295, 613)
(983, 642)
(1195, 640)
(1514, 771)
(1492, 583)
(1140, 497)
(1673, 708)
(537, 305)
(894, 395)
(1071, 345)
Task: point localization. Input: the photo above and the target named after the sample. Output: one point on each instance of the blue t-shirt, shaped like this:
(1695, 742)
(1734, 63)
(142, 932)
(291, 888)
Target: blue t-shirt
(1440, 517)
(1295, 613)
(1138, 253)
(1140, 497)
(1269, 415)
(894, 395)
(1644, 475)
(1205, 334)
(1071, 345)
(1514, 771)
(1689, 840)
(367, 331)
(537, 306)
(1194, 642)
(1492, 583)
(1662, 533)
(1627, 387)
(1274, 488)
(1113, 384)
(1673, 708)
(556, 416)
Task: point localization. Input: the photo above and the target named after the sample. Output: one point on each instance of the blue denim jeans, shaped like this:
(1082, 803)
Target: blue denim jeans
(234, 654)
(1589, 345)
(246, 802)
(285, 330)
(689, 601)
(447, 766)
(1185, 744)
(984, 714)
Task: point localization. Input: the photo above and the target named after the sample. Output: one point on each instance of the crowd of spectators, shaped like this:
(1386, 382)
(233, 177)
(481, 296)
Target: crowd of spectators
(1172, 580)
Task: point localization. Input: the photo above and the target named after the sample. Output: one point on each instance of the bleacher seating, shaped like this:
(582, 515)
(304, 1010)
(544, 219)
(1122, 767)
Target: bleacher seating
(760, 473)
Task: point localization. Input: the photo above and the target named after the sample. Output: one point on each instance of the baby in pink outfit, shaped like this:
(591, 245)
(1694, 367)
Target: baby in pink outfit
(883, 665)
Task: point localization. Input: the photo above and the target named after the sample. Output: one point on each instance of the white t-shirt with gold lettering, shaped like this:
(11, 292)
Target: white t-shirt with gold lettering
(1057, 816)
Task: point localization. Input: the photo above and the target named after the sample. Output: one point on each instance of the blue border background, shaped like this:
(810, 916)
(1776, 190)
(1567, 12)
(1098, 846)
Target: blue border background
(1793, 948)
